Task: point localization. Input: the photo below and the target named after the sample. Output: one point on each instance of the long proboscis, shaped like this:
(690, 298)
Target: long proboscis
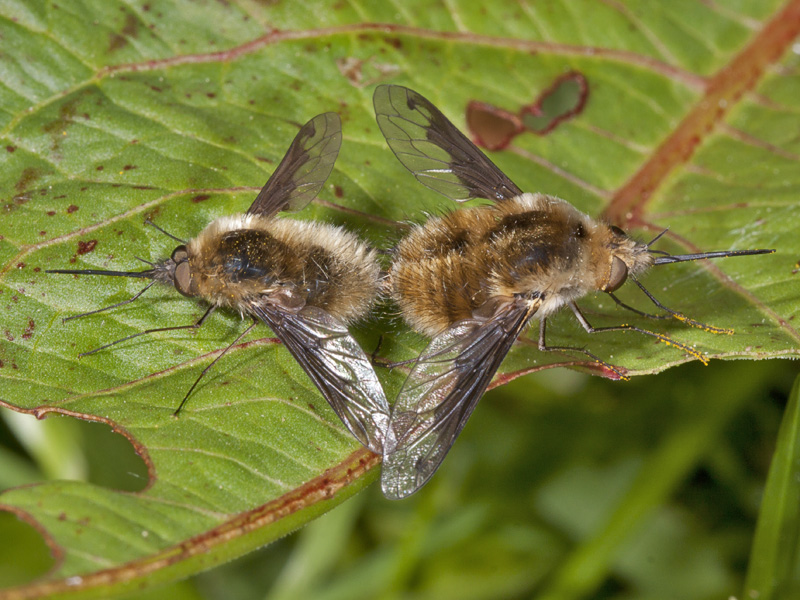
(668, 259)
(664, 260)
(146, 274)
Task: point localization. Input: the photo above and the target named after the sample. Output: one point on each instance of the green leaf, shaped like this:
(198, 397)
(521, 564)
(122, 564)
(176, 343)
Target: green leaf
(773, 572)
(112, 112)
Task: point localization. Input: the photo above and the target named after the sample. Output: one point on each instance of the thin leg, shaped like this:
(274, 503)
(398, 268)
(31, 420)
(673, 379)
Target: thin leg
(681, 317)
(376, 360)
(392, 365)
(545, 348)
(662, 338)
(149, 331)
(374, 356)
(166, 233)
(636, 310)
(213, 362)
(117, 305)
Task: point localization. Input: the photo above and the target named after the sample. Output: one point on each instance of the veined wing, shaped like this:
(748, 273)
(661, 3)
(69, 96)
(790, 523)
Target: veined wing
(441, 392)
(304, 169)
(434, 150)
(336, 364)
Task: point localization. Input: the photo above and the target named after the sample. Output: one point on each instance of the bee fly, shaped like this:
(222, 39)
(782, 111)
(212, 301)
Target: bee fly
(473, 279)
(306, 281)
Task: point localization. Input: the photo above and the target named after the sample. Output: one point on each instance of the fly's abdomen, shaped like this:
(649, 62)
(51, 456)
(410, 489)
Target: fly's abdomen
(435, 293)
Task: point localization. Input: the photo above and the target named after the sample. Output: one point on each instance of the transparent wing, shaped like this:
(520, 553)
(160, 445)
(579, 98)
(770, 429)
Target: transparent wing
(434, 150)
(441, 392)
(337, 365)
(304, 169)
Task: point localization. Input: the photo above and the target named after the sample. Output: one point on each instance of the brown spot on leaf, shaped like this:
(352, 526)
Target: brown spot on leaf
(115, 42)
(338, 191)
(350, 67)
(66, 116)
(71, 209)
(130, 29)
(86, 247)
(10, 149)
(16, 202)
(28, 176)
(200, 198)
(28, 333)
(20, 265)
(364, 73)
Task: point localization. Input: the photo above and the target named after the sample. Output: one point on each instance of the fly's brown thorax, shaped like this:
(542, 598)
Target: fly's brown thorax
(234, 266)
(554, 250)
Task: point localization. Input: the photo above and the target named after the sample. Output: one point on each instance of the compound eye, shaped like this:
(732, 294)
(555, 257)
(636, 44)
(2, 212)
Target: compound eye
(180, 254)
(618, 231)
(183, 279)
(618, 275)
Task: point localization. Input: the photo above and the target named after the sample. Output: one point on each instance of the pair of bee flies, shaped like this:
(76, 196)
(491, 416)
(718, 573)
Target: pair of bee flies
(471, 280)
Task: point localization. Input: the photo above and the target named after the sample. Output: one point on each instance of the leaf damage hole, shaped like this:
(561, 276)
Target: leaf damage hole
(60, 447)
(495, 128)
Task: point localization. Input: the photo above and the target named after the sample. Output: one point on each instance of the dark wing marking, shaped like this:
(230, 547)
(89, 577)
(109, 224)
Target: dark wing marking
(336, 364)
(434, 150)
(304, 169)
(441, 392)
